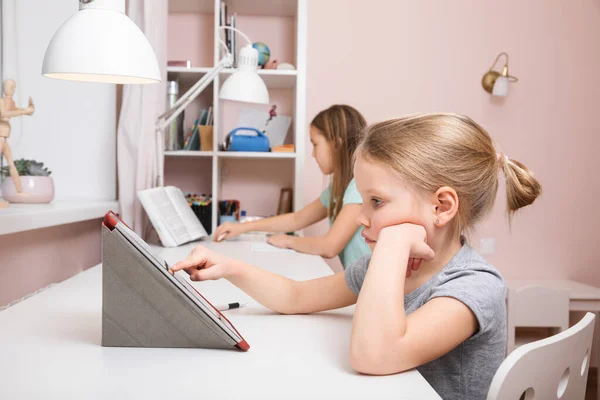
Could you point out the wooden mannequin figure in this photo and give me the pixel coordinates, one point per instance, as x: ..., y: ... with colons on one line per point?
x: 8, y: 109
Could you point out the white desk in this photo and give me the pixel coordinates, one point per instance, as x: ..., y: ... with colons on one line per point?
x: 581, y: 297
x: 50, y: 348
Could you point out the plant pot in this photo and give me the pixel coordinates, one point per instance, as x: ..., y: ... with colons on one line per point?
x: 36, y: 189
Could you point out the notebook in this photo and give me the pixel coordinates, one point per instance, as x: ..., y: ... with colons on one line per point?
x: 171, y: 216
x: 144, y: 305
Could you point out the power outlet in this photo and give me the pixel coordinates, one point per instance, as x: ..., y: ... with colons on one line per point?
x: 487, y: 246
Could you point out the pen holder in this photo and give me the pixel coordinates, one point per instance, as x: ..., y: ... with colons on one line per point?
x: 204, y: 214
x: 206, y: 137
x: 227, y: 218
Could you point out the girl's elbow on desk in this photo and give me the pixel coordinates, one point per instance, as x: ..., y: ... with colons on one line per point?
x: 370, y: 358
x: 318, y: 245
x: 329, y: 249
x: 376, y: 363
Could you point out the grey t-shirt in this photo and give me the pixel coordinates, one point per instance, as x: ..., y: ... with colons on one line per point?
x: 467, y: 371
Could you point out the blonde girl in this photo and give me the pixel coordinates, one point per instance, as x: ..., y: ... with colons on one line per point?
x: 425, y: 299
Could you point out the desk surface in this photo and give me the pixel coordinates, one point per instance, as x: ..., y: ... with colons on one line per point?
x: 577, y: 291
x: 50, y: 347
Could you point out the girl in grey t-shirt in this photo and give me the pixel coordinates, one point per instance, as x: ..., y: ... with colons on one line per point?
x: 424, y: 299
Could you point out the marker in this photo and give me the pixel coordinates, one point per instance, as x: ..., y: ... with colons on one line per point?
x: 221, y: 236
x: 229, y: 306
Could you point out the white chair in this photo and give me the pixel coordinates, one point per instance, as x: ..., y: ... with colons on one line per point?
x: 552, y: 368
x: 535, y: 307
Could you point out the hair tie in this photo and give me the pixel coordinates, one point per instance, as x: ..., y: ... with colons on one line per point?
x: 500, y: 155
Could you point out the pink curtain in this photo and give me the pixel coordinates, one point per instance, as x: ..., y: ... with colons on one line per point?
x: 139, y: 147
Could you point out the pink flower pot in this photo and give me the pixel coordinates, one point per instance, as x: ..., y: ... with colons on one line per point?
x: 38, y: 189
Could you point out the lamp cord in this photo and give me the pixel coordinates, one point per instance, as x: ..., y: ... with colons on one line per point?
x: 238, y: 31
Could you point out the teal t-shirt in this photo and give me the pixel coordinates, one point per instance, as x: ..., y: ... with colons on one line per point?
x: 356, y: 247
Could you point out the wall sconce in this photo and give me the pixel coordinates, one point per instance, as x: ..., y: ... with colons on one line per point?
x: 495, y: 82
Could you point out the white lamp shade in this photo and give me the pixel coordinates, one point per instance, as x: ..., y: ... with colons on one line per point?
x: 500, y: 86
x: 101, y: 45
x: 245, y: 84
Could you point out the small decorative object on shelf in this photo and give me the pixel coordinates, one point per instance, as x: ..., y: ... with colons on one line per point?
x: 263, y: 53
x: 284, y: 148
x: 271, y: 64
x: 179, y: 63
x: 285, y: 201
x: 286, y: 66
x: 35, y: 179
x: 8, y: 110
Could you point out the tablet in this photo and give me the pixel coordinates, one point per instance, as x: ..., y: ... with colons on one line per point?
x: 176, y: 281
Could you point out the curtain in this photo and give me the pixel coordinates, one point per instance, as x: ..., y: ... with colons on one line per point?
x: 139, y: 146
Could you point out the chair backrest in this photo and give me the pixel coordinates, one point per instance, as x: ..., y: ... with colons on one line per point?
x: 535, y: 307
x: 552, y: 368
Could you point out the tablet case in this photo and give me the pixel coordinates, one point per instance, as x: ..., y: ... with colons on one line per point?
x: 142, y: 308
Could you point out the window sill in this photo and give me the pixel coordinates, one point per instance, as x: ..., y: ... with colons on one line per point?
x: 25, y: 217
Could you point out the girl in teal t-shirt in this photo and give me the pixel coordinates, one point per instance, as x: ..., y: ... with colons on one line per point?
x: 334, y: 134
x: 356, y: 247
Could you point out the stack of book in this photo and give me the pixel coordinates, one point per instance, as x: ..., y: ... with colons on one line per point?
x: 230, y: 36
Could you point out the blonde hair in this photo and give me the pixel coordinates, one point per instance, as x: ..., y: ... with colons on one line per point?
x: 342, y: 126
x: 430, y: 151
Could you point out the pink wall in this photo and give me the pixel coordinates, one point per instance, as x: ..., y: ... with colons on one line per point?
x: 257, y: 183
x: 190, y: 174
x: 391, y: 58
x: 195, y: 31
x: 34, y: 259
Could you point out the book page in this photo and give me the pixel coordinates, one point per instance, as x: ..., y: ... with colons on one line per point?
x: 192, y: 225
x: 169, y: 215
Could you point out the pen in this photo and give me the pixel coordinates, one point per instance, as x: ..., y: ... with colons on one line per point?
x: 229, y: 306
x: 221, y: 236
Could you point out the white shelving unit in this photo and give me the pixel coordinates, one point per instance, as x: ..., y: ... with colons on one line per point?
x: 185, y: 153
x: 290, y: 82
x: 243, y: 154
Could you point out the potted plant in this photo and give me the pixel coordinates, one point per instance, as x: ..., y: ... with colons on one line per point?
x: 38, y: 186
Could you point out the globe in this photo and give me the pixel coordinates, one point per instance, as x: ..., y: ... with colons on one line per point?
x: 263, y: 53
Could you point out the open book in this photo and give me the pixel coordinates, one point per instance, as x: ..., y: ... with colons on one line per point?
x: 171, y: 216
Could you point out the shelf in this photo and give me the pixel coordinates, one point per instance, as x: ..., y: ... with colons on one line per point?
x: 230, y: 154
x: 261, y: 155
x: 275, y: 8
x: 274, y: 78
x: 184, y: 70
x: 187, y: 76
x: 25, y: 217
x: 188, y: 153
